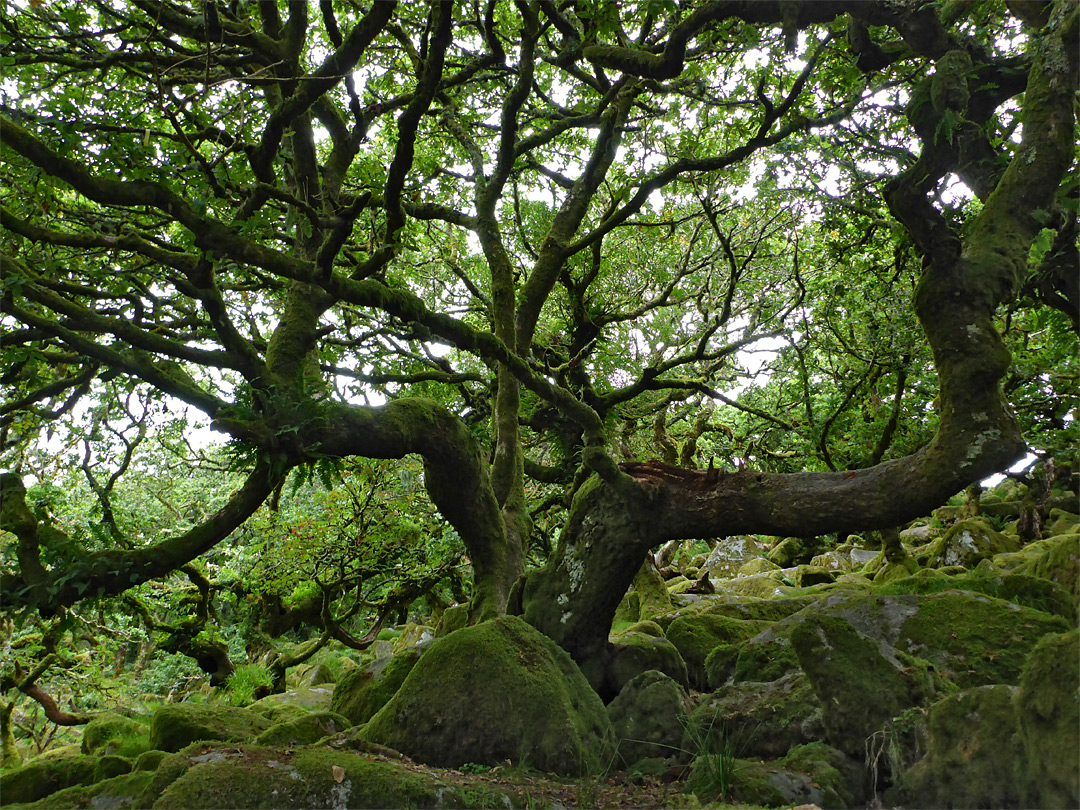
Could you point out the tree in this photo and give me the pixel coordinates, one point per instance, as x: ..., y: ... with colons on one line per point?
x: 270, y: 211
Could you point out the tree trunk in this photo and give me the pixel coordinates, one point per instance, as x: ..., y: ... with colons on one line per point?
x: 455, y: 475
x: 9, y: 751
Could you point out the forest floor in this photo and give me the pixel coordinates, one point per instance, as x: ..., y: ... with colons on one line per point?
x: 534, y: 789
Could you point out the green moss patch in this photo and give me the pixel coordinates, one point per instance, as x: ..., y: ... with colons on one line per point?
x: 738, y: 607
x: 763, y: 586
x: 840, y: 778
x: 292, y: 704
x: 149, y: 760
x: 255, y: 777
x: 633, y: 653
x: 1055, y: 558
x: 969, y: 541
x: 1021, y: 589
x: 792, y: 551
x: 765, y: 657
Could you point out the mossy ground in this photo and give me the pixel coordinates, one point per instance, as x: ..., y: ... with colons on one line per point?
x: 246, y: 776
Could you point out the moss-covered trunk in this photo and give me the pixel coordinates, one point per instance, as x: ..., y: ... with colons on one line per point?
x: 573, y: 599
x: 9, y: 752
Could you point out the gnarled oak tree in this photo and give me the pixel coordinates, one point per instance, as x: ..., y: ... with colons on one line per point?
x: 270, y: 210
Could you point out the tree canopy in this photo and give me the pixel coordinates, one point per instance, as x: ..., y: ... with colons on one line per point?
x: 617, y: 273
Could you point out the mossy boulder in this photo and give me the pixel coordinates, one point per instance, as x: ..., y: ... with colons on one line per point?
x: 764, y: 657
x: 411, y: 634
x: 783, y: 713
x: 254, y: 777
x: 1055, y: 558
x: 961, y: 638
x: 969, y: 639
x: 633, y: 653
x: 40, y: 777
x: 761, y: 586
x: 648, y: 627
x: 1060, y: 522
x: 149, y: 760
x: 111, y: 765
x: 918, y: 534
x: 698, y: 634
x: 859, y: 688
x: 169, y: 768
x: 60, y: 752
x: 972, y: 754
x: 294, y: 703
x: 111, y: 733
x: 649, y: 717
x: 1048, y: 711
x: 305, y: 730
x: 720, y: 665
x: 677, y: 585
x: 973, y: 639
x: 756, y: 565
x: 969, y: 541
x: 753, y: 783
x: 738, y: 606
x: 363, y: 691
x: 841, y: 779
x: 1009, y: 489
x: 497, y: 691
x: 808, y: 575
x: 653, y: 597
x: 318, y: 675
x: 1020, y: 589
x: 835, y: 560
x: 178, y: 725
x: 115, y: 792
x: 892, y: 570
x: 792, y: 551
x: 812, y: 775
x: 725, y: 560
x: 453, y: 618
